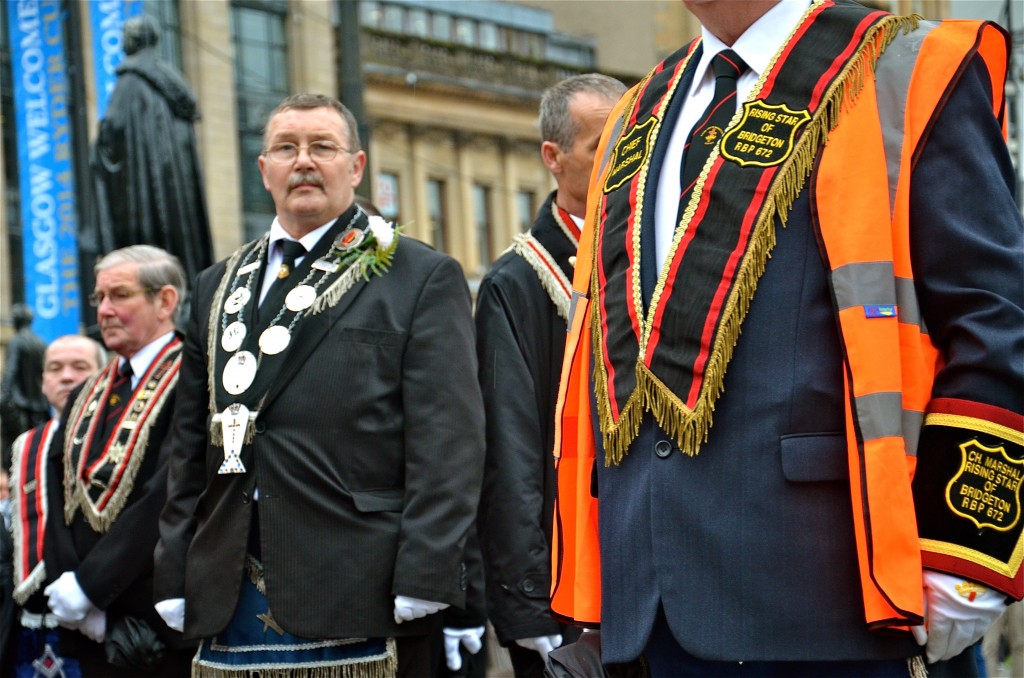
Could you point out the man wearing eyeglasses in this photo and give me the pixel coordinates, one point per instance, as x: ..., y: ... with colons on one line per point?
x: 328, y: 443
x: 107, y: 476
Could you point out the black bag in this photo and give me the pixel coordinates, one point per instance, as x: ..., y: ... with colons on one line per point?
x: 132, y: 644
x: 582, y: 659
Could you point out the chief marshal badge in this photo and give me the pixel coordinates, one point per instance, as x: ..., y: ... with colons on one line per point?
x: 986, y: 488
x: 630, y: 154
x: 764, y: 136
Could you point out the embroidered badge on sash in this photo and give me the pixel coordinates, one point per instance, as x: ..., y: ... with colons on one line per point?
x: 629, y: 154
x: 986, y: 488
x: 764, y: 136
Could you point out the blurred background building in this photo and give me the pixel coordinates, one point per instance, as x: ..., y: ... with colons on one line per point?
x: 447, y: 91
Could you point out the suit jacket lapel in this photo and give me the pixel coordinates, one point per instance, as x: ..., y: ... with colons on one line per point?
x: 309, y: 334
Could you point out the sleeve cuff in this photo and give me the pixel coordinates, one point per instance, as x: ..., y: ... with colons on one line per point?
x: 967, y: 489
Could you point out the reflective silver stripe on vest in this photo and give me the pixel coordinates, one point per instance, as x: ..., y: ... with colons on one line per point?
x: 613, y: 139
x: 892, y: 82
x: 881, y: 415
x: 874, y: 283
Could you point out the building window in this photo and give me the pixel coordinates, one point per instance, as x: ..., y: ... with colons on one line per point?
x: 491, y: 37
x: 386, y: 195
x: 392, y: 19
x: 419, y: 23
x: 168, y: 22
x: 527, y: 209
x: 261, y: 81
x: 437, y: 214
x: 482, y: 218
x: 369, y: 13
x: 441, y: 27
x: 465, y: 32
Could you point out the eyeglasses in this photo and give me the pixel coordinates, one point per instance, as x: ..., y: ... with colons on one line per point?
x: 118, y: 295
x: 321, y: 151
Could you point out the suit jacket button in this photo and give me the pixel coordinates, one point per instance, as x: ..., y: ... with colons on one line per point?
x: 528, y: 586
x: 260, y: 427
x: 245, y: 497
x: 663, y: 449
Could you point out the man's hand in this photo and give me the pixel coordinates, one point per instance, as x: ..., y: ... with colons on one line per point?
x: 407, y: 609
x: 67, y: 600
x: 94, y: 626
x: 468, y: 637
x: 541, y: 644
x: 172, y: 611
x: 957, y: 612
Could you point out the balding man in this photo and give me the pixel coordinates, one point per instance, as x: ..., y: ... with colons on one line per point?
x: 520, y: 325
x: 67, y: 362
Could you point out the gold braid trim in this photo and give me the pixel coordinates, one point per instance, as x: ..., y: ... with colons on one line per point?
x: 916, y: 667
x: 384, y: 667
x: 71, y: 498
x: 690, y: 428
x: 102, y: 520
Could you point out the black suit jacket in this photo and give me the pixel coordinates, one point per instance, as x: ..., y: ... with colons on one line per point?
x: 367, y: 453
x: 114, y: 569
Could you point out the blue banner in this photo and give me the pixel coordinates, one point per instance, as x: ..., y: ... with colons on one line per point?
x: 49, y: 221
x: 107, y: 19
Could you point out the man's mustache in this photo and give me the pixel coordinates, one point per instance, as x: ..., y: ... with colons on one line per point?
x: 305, y: 178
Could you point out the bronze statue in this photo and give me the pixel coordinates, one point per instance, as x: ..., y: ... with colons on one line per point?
x: 145, y: 164
x: 22, y: 403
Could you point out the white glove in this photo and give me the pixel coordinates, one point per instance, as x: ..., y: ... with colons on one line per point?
x: 67, y: 600
x: 94, y: 626
x: 468, y: 637
x: 541, y: 644
x: 407, y: 609
x: 172, y: 611
x: 957, y: 612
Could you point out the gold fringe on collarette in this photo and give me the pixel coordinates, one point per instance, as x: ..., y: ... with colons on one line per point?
x: 551, y: 277
x: 102, y: 520
x: 382, y: 667
x: 916, y: 667
x: 689, y: 428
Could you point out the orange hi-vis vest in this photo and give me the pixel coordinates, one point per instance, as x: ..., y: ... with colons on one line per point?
x: 890, y: 361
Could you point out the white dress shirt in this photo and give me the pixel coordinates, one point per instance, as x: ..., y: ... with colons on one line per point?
x: 756, y: 47
x: 275, y: 256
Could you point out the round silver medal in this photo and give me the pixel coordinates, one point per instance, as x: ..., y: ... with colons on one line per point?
x: 300, y: 298
x: 239, y: 373
x: 275, y: 339
x: 233, y: 336
x: 238, y: 299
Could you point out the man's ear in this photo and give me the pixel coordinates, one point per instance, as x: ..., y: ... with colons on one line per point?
x: 168, y: 300
x: 551, y: 154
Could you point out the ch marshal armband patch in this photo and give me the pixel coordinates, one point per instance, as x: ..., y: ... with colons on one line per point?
x: 986, y: 488
x: 967, y: 494
x: 630, y: 154
x: 764, y: 135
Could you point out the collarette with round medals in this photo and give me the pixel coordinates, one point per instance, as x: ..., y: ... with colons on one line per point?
x: 239, y: 372
x: 300, y: 298
x: 275, y: 339
x: 238, y: 299
x: 232, y: 337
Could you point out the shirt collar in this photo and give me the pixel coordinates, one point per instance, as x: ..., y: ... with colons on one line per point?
x: 144, y: 356
x: 308, y: 241
x: 759, y: 43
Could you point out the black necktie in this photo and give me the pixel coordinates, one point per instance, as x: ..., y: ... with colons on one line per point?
x: 728, y: 66
x: 120, y: 394
x: 290, y: 250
